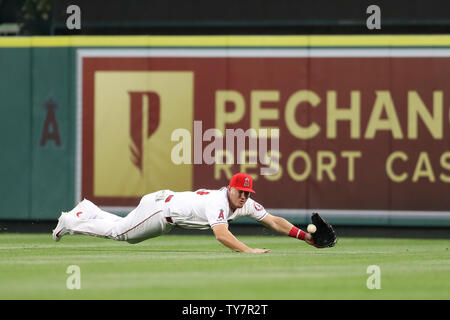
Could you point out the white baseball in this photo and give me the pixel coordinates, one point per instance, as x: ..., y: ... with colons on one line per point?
x: 311, y: 228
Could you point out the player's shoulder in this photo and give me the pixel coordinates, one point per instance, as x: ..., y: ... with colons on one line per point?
x: 250, y: 202
x: 204, y: 191
x: 252, y: 205
x: 212, y: 194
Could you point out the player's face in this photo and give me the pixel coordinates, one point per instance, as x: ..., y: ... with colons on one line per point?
x: 237, y: 198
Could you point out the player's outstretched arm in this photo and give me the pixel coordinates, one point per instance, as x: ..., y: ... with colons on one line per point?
x: 224, y: 236
x: 283, y: 226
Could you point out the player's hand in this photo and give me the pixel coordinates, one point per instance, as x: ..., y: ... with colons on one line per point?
x: 256, y: 250
x: 309, y: 239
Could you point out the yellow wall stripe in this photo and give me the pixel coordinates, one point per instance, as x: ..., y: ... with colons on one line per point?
x: 229, y: 41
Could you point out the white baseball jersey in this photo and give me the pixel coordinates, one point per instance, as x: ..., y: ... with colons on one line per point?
x: 204, y: 209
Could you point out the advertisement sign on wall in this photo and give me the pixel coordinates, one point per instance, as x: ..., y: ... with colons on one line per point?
x: 356, y: 129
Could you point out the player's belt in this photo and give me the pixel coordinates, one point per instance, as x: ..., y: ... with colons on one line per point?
x: 167, y: 199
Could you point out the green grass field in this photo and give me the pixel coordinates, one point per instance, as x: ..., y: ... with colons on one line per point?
x: 32, y: 266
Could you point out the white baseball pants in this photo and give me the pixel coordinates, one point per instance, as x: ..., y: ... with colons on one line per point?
x: 147, y: 220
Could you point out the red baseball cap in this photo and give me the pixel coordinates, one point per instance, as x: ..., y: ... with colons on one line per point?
x: 242, y: 181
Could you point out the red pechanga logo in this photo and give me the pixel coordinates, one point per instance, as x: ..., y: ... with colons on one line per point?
x: 128, y: 113
x: 138, y: 120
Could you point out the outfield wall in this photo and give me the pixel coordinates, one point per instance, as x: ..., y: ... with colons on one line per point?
x: 362, y: 123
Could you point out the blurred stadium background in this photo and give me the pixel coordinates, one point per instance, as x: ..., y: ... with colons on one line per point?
x: 363, y: 113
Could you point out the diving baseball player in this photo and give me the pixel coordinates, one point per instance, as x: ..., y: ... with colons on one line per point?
x: 158, y: 212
